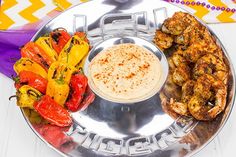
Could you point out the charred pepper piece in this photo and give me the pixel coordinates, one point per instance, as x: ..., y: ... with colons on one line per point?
x: 78, y: 86
x: 58, y: 39
x: 59, y: 75
x: 44, y: 43
x: 61, y: 71
x: 33, y: 116
x: 58, y: 90
x: 26, y: 64
x: 81, y: 63
x: 27, y: 96
x: 36, y: 53
x: 74, y: 51
x: 32, y: 79
x: 82, y: 36
x: 52, y: 111
x: 87, y: 100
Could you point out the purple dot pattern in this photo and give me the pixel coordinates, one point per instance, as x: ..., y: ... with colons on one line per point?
x: 203, y: 4
x: 218, y: 8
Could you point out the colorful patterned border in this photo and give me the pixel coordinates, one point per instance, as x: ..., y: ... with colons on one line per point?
x: 204, y: 4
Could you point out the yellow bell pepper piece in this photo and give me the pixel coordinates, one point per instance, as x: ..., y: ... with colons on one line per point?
x: 27, y: 96
x: 45, y: 44
x: 33, y: 116
x: 59, y: 75
x: 81, y: 63
x: 60, y: 71
x: 29, y: 65
x: 74, y: 51
x: 58, y: 90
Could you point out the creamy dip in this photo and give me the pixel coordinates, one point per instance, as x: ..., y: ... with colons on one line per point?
x: 125, y: 73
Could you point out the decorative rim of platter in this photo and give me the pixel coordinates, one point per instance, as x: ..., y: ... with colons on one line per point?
x: 140, y: 23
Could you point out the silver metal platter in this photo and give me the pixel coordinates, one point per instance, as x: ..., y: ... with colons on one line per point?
x: 143, y: 128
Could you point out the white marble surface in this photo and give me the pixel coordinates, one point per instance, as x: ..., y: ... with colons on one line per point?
x: 17, y: 139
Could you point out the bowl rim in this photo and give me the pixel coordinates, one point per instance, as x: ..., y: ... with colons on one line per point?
x: 145, y: 44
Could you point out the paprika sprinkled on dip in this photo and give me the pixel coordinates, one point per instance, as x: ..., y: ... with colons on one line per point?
x: 125, y: 73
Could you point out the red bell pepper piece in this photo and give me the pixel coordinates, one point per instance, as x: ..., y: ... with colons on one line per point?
x: 32, y: 79
x: 78, y: 84
x: 53, y: 112
x: 87, y: 100
x: 82, y: 35
x: 58, y: 39
x: 36, y: 53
